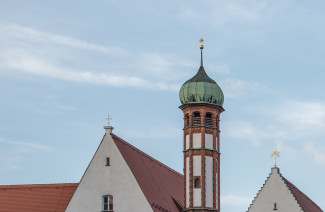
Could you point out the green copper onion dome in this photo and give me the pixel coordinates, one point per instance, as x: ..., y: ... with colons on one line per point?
x: 201, y: 89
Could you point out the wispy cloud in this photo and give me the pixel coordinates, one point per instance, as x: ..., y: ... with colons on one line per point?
x: 13, y: 154
x: 27, y: 33
x: 303, y: 115
x: 150, y: 70
x: 289, y: 121
x: 252, y: 133
x: 234, y: 88
x: 58, y: 57
x: 224, y: 12
x: 245, y: 131
x: 33, y: 146
x: 25, y: 62
x: 317, y: 151
x: 167, y: 67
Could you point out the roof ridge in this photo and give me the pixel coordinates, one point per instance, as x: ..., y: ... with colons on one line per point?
x: 293, y: 193
x: 19, y: 186
x: 146, y: 155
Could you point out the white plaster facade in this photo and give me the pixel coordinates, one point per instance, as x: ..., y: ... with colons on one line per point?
x: 116, y: 180
x: 275, y: 191
x: 197, y: 196
x: 187, y: 182
x: 187, y: 142
x: 217, y: 194
x: 209, y: 141
x: 209, y: 181
x: 197, y: 140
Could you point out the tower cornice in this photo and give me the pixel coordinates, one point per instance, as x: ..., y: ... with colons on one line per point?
x: 218, y: 108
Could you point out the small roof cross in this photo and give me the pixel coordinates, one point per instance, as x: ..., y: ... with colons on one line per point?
x: 275, y: 154
x: 108, y: 119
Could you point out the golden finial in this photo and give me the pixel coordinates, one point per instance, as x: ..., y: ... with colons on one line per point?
x: 275, y: 154
x: 201, y: 41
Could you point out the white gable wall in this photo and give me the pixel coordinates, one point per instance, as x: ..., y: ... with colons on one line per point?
x: 116, y: 180
x: 275, y: 191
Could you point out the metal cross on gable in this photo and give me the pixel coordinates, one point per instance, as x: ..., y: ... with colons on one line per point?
x: 275, y: 154
x: 108, y: 119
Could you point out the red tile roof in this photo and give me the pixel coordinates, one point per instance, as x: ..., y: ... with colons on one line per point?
x: 306, y: 204
x: 162, y: 186
x: 36, y: 198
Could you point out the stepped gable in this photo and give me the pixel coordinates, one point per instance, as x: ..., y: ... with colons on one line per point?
x: 305, y: 203
x: 36, y: 198
x: 162, y: 186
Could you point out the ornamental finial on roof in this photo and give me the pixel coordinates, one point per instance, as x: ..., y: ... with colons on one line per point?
x: 108, y: 128
x: 201, y: 41
x: 275, y: 154
x: 201, y: 47
x: 108, y: 119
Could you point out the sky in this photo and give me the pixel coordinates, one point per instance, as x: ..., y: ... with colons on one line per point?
x: 66, y: 65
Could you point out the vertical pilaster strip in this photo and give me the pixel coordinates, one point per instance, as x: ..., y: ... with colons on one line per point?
x: 203, y: 168
x: 218, y: 141
x: 191, y: 162
x: 185, y: 168
x: 203, y: 174
x: 215, y: 164
x: 191, y: 178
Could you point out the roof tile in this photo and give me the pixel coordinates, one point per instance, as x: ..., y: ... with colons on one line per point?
x: 162, y: 186
x: 36, y: 198
x: 307, y: 204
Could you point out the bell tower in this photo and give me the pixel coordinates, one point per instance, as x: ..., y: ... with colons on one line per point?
x: 202, y: 101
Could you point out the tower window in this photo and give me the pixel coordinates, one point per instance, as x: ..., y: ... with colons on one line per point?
x: 187, y: 120
x: 197, y: 182
x: 196, y: 119
x: 208, y: 120
x: 107, y: 162
x: 275, y: 207
x: 108, y: 203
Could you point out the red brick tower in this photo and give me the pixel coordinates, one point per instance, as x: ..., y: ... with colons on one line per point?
x: 202, y: 101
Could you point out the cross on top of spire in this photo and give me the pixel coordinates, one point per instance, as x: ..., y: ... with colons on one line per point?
x: 275, y: 154
x: 108, y: 120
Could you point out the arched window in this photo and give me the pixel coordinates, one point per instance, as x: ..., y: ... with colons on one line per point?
x: 187, y: 120
x: 208, y: 120
x: 196, y: 119
x: 197, y: 182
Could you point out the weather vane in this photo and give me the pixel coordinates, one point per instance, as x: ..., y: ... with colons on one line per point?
x: 108, y: 120
x: 275, y: 154
x: 201, y: 41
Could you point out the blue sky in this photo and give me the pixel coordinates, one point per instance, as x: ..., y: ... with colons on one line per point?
x: 66, y: 65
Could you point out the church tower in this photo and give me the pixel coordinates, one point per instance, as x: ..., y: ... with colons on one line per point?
x: 202, y: 101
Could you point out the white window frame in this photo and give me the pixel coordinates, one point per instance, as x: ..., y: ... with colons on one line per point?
x: 107, y: 203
